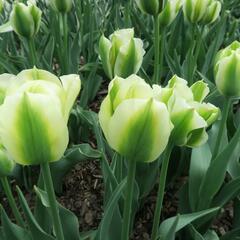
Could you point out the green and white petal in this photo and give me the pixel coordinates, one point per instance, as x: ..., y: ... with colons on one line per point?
x: 162, y: 94
x: 139, y: 53
x: 200, y: 90
x: 140, y: 129
x: 104, y: 53
x: 197, y: 138
x: 37, y: 74
x: 105, y: 114
x: 6, y: 163
x: 33, y: 129
x: 6, y: 80
x: 71, y: 87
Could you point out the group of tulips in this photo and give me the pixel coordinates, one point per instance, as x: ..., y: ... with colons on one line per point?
x: 139, y: 121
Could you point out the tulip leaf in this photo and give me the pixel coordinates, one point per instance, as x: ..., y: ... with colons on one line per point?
x: 184, y: 220
x: 11, y: 230
x: 232, y: 235
x: 74, y: 155
x: 216, y: 172
x: 6, y: 27
x: 211, y: 235
x: 91, y: 235
x: 109, y: 210
x: 69, y: 220
x: 227, y: 193
x: 200, y: 160
x: 36, y: 231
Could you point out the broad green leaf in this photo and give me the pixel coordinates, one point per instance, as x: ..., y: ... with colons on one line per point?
x: 227, y: 193
x: 200, y: 160
x: 68, y: 219
x: 36, y: 231
x: 216, y: 172
x: 184, y: 220
x: 211, y: 235
x: 232, y: 235
x: 11, y: 231
x: 172, y: 232
x: 91, y: 235
x: 109, y: 210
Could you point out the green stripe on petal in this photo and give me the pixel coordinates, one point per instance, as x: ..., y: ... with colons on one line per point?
x: 33, y: 129
x: 139, y: 129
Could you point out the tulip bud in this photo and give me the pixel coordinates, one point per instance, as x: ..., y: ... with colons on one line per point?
x: 212, y: 13
x: 151, y: 7
x: 25, y: 20
x: 1, y: 5
x: 134, y: 124
x: 189, y: 115
x: 205, y: 11
x: 6, y: 163
x: 122, y: 55
x: 170, y: 12
x: 227, y: 70
x: 62, y: 6
x: 34, y: 115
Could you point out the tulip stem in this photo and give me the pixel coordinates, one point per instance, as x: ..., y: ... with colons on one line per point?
x: 32, y: 52
x: 127, y: 212
x: 161, y: 54
x: 161, y: 188
x: 156, y: 49
x: 65, y: 59
x: 226, y: 107
x: 11, y: 200
x: 52, y: 200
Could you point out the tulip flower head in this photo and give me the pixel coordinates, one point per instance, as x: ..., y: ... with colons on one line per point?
x: 201, y: 11
x: 189, y: 115
x: 170, y: 12
x: 152, y: 7
x: 25, y: 19
x: 134, y: 123
x: 34, y: 115
x: 227, y: 70
x: 121, y: 54
x: 63, y: 6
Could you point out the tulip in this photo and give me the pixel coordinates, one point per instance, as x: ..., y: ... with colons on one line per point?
x: 169, y: 12
x: 25, y: 19
x: 189, y: 115
x: 152, y: 7
x: 227, y: 70
x: 204, y: 11
x: 135, y: 125
x: 33, y: 124
x: 1, y: 5
x: 34, y: 116
x: 62, y: 6
x: 129, y: 111
x: 212, y: 13
x: 122, y: 55
x: 6, y: 81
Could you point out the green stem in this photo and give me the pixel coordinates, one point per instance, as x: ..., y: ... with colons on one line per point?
x: 161, y: 54
x: 161, y: 189
x: 52, y: 200
x: 11, y: 200
x: 128, y: 200
x: 225, y: 111
x: 156, y: 49
x: 32, y: 52
x: 65, y: 42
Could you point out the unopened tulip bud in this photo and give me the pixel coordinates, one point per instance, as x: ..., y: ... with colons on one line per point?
x: 25, y: 19
x: 170, y: 12
x: 227, y: 70
x: 34, y: 115
x: 189, y: 115
x: 134, y: 124
x: 122, y: 55
x: 62, y: 6
x: 212, y: 13
x: 6, y: 163
x: 152, y: 7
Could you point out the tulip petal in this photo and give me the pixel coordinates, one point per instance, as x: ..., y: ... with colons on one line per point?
x: 33, y: 129
x: 200, y: 90
x: 139, y: 129
x: 71, y: 87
